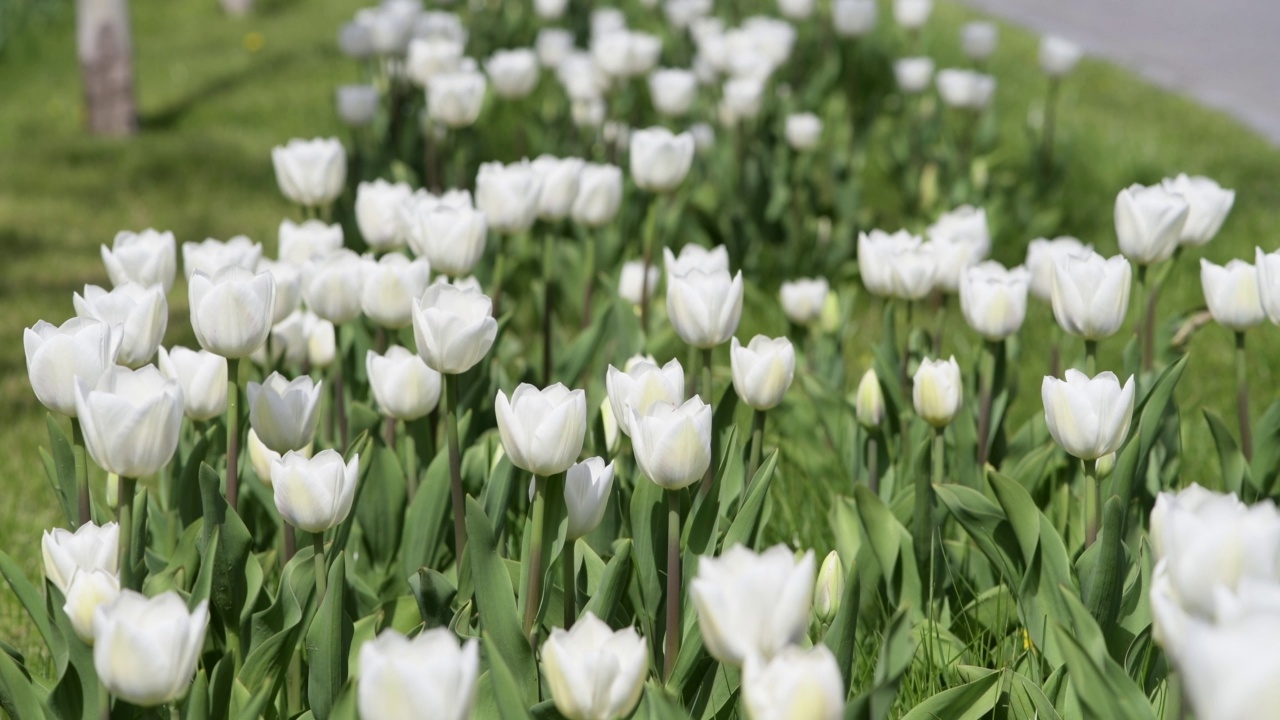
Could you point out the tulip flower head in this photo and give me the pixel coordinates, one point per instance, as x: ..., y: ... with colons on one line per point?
x: 599, y: 195
x: 213, y: 255
x: 400, y: 677
x: 696, y: 257
x: 552, y: 45
x: 1058, y: 56
x: 640, y: 386
x: 796, y: 683
x: 979, y: 40
x: 673, y: 91
x: 455, y: 98
x: 300, y: 243
x: 284, y: 413
x: 853, y: 18
x: 804, y: 299
x: 869, y: 401
x: 146, y: 258
x: 508, y: 195
x: 1231, y: 292
x: 965, y: 89
x: 586, y: 494
x: 1090, y: 294
x: 937, y: 391
x: 90, y: 548
x: 333, y: 287
x: 672, y: 444
x: 1268, y: 268
x: 89, y: 590
x: 753, y: 605
x: 542, y: 430
x: 202, y: 376
x: 626, y: 53
x: 704, y: 308
x: 1043, y: 254
x: 405, y: 388
x: 1230, y: 667
x: 389, y: 287
x: 660, y: 160
x: 629, y: 281
x: 514, y: 73
x: 81, y: 349
x: 1088, y: 417
x: 311, y: 173
x: 145, y: 649
x: 877, y: 254
x: 912, y: 14
x: 559, y: 180
x: 741, y: 99
x: 357, y: 105
x: 762, y: 370
x: 1149, y: 223
x: 994, y: 299
x: 314, y: 494
x: 913, y: 74
x: 1208, y: 205
x: 288, y: 279
x: 378, y: 214
x: 428, y: 58
x: 804, y: 131
x: 131, y: 420
x: 828, y: 591
x: 454, y: 328
x: 451, y: 237
x: 594, y: 672
x: 231, y: 311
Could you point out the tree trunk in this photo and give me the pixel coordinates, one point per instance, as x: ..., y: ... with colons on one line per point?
x: 104, y: 45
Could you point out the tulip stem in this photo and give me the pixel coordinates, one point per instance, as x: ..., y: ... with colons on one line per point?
x: 1140, y: 322
x: 673, y: 586
x: 455, y: 465
x: 757, y: 446
x: 1091, y: 357
x: 873, y: 461
x: 922, y: 516
x: 589, y: 291
x: 570, y: 584
x: 340, y: 403
x: 124, y: 517
x: 499, y: 269
x: 707, y: 390
x: 317, y: 542
x: 82, y: 472
x: 1242, y: 399
x: 650, y: 231
x: 986, y: 380
x: 548, y: 289
x: 1092, y: 502
x: 534, y: 562
x: 233, y: 432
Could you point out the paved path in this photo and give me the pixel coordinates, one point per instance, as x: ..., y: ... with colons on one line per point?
x: 1225, y: 53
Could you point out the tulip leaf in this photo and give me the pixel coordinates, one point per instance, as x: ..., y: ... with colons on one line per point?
x: 745, y: 524
x: 186, y: 493
x: 971, y: 701
x: 1101, y: 685
x: 1131, y: 461
x: 361, y: 418
x: 495, y: 600
x: 360, y: 446
x: 702, y: 528
x: 656, y: 704
x: 64, y: 466
x: 498, y: 492
x: 613, y: 582
x: 196, y: 706
x: 1230, y: 459
x: 1105, y: 584
x: 511, y: 706
x: 274, y: 631
x: 841, y: 635
x: 891, y: 546
x: 1028, y: 702
x: 380, y: 511
x: 987, y: 526
x: 434, y: 595
x: 573, y: 361
x: 426, y: 518
x: 76, y: 694
x: 19, y: 694
x: 329, y: 643
x: 648, y: 530
x: 228, y: 590
x: 221, y: 685
x: 1266, y: 451
x: 33, y: 602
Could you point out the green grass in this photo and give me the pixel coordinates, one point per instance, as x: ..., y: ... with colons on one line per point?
x: 212, y: 109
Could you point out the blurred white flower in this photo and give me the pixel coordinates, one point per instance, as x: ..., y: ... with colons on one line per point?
x: 804, y: 131
x: 378, y: 206
x: 139, y: 316
x: 311, y: 173
x: 300, y: 243
x: 508, y: 195
x: 673, y: 91
x: 1043, y: 254
x: 993, y: 299
x: 514, y: 73
x: 454, y: 99
x: 213, y: 255
x: 913, y: 74
x: 1231, y: 292
x: 147, y: 258
x: 1149, y: 223
x: 1208, y: 205
x: 1058, y: 56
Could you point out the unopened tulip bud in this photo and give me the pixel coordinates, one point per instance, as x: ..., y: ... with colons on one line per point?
x: 660, y: 160
x: 869, y: 403
x: 514, y: 73
x: 300, y: 243
x: 586, y: 495
x: 231, y: 311
x: 202, y: 377
x: 311, y: 173
x: 1232, y: 295
x: 762, y: 370
x: 1105, y: 465
x: 672, y: 445
x: 796, y: 683
x: 81, y: 349
x: 89, y: 589
x: 1088, y: 417
x: 1208, y: 206
x: 704, y: 308
x: 90, y: 548
x: 1149, y: 223
x: 830, y: 588
x: 454, y: 328
x: 594, y: 672
x: 400, y: 678
x: 937, y: 391
x: 314, y: 494
x: 284, y: 413
x: 542, y: 430
x: 146, y: 258
x: 405, y: 388
x: 145, y: 650
x: 131, y: 420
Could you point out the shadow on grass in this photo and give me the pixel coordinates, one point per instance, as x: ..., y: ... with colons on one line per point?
x: 169, y: 117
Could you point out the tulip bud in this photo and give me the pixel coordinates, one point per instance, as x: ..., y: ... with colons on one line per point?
x: 937, y: 391
x: 869, y: 403
x: 300, y: 243
x: 913, y: 272
x: 587, y: 113
x: 913, y: 74
x: 377, y: 214
x: 704, y: 308
x: 1149, y: 222
x: 796, y: 683
x: 231, y: 311
x: 1058, y: 56
x: 261, y: 457
x: 695, y: 257
x: 1208, y: 204
x: 89, y: 589
x: 581, y: 78
x: 542, y: 430
x: 1088, y: 417
x: 673, y: 91
x: 146, y: 258
x: 753, y: 604
x: 454, y: 328
x: 1105, y: 465
x: 966, y: 89
x: 672, y: 445
x: 427, y: 59
x: 795, y: 9
x: 595, y: 673
x: 1091, y: 294
x: 440, y: 24
x: 682, y: 14
x: 451, y: 238
x: 550, y: 9
x: 388, y: 30
x: 357, y: 105
x: 81, y: 349
x: 405, y: 388
x: 146, y: 650
x: 355, y: 41
x: 212, y: 255
x: 558, y: 180
x: 311, y: 173
x: 1268, y: 269
x: 400, y: 678
x: 131, y: 420
x: 1232, y: 295
x: 994, y: 299
x: 284, y: 413
x: 804, y: 299
x: 333, y: 286
x: 912, y: 14
x: 553, y: 45
x: 454, y: 99
x: 202, y: 376
x: 804, y: 131
x: 827, y: 593
x: 508, y: 195
x: 90, y: 548
x: 321, y: 341
x: 741, y: 99
x: 390, y: 286
x: 626, y: 53
x: 878, y: 252
x: 660, y: 160
x: 514, y: 73
x: 288, y: 280
x: 640, y: 387
x: 979, y: 40
x: 314, y: 494
x: 586, y: 495
x: 629, y: 282
x: 762, y: 370
x: 1043, y: 254
x: 604, y: 20
x: 853, y: 18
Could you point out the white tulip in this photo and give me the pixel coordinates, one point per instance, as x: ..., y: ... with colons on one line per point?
x: 587, y: 113
x: 878, y: 252
x: 1268, y: 268
x: 640, y: 386
x: 771, y: 37
x: 607, y: 19
x: 333, y: 286
x: 828, y: 590
x: 131, y: 420
x: 451, y: 238
x: 261, y: 457
x: 629, y: 281
x: 300, y: 243
x: 914, y: 271
x: 595, y: 673
x: 586, y: 495
x: 912, y: 14
x: 993, y: 299
x: 1208, y: 205
x: 704, y: 308
x: 979, y: 39
x: 682, y: 14
x: 311, y: 173
x: 1232, y: 294
x: 960, y: 238
x: 966, y: 89
x: 704, y: 137
x: 1058, y: 56
x: 672, y: 444
x: 202, y: 376
x: 90, y: 548
x: 795, y: 9
x: 390, y: 286
x: 89, y: 590
x: 212, y: 255
x: 508, y: 195
x: 231, y: 312
x: 378, y: 206
x: 741, y: 99
x: 321, y: 342
x: 753, y: 604
x: 1088, y: 417
x: 804, y: 131
x: 454, y: 327
x: 626, y: 53
x: 937, y: 391
x: 599, y: 195
x: 853, y: 18
x: 542, y: 430
x: 355, y: 41
x: 146, y: 650
x: 514, y: 73
x: 284, y: 413
x: 869, y: 401
x: 454, y: 99
x: 429, y: 58
x: 797, y: 684
x: 1149, y: 222
x: 139, y: 316
x: 581, y: 77
x: 405, y: 388
x: 804, y: 299
x: 696, y: 257
x: 660, y: 160
x: 147, y: 258
x: 288, y: 283
x: 552, y: 46
x: 1043, y: 254
x: 673, y: 91
x: 913, y: 74
x: 59, y: 356
x: 314, y: 494
x: 558, y: 182
x: 440, y: 24
x: 550, y: 9
x: 1090, y: 294
x: 357, y: 105
x: 388, y: 30
x: 762, y: 370
x: 400, y: 678
x: 1230, y: 669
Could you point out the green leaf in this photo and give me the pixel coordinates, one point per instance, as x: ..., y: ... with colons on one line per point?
x: 434, y: 595
x: 228, y: 590
x: 1266, y: 450
x: 33, y: 602
x: 648, y: 530
x: 496, y: 602
x: 359, y: 446
x: 1102, y: 687
x: 656, y: 704
x: 19, y: 695
x: 1106, y: 584
x: 744, y: 526
x: 329, y: 643
x: 511, y: 704
x: 64, y: 465
x: 613, y: 582
x: 1230, y: 460
x: 424, y: 525
x: 382, y: 502
x: 1133, y: 456
x: 841, y: 637
x: 196, y: 706
x: 1028, y: 702
x: 498, y: 492
x: 971, y: 701
x: 274, y: 631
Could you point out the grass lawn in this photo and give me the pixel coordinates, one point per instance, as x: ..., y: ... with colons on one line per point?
x: 217, y: 93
